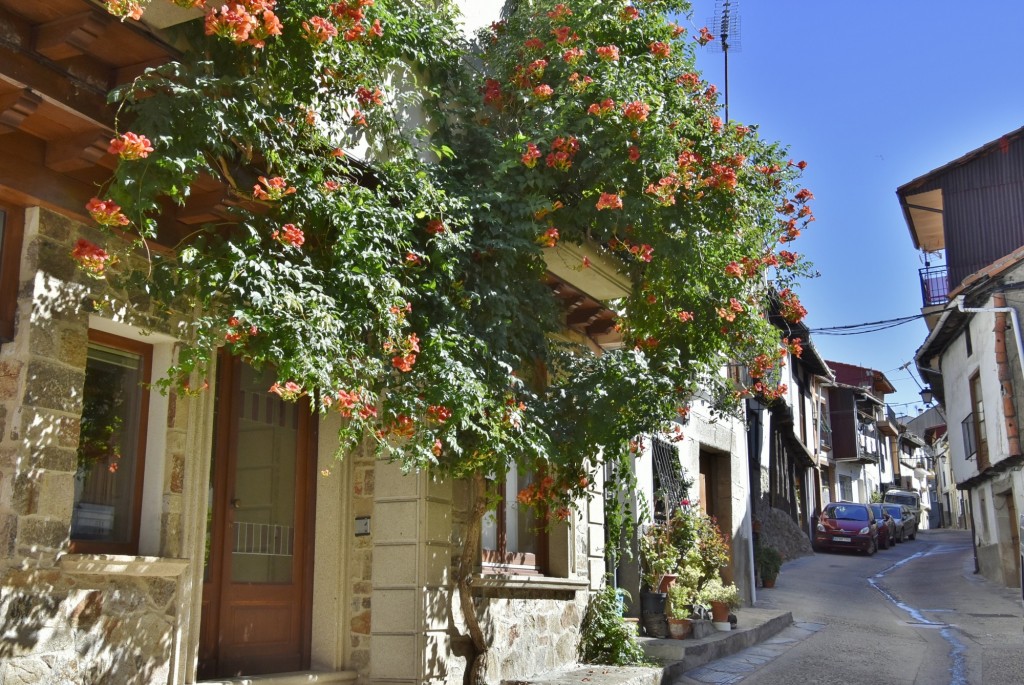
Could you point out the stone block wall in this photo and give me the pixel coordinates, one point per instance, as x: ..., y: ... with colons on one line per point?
x: 360, y: 581
x: 64, y: 622
x: 530, y: 631
x: 531, y: 623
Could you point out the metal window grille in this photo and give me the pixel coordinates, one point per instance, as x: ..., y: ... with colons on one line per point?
x: 668, y: 474
x: 265, y: 539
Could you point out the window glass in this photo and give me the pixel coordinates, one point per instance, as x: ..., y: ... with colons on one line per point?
x: 512, y: 536
x: 846, y: 512
x: 111, y: 448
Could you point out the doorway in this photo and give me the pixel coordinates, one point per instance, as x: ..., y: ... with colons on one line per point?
x: 715, y: 491
x: 1009, y: 536
x: 258, y: 575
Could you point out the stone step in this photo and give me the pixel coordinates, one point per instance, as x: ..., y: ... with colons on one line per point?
x: 678, y: 656
x: 595, y: 675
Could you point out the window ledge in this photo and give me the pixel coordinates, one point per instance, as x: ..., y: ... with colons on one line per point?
x: 524, y: 582
x: 90, y: 564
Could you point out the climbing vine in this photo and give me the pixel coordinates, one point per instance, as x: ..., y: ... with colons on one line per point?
x: 389, y: 193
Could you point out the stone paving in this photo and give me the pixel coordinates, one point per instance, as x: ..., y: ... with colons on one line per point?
x: 733, y: 669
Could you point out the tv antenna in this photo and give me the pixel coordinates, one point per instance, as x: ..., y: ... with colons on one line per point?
x: 727, y: 21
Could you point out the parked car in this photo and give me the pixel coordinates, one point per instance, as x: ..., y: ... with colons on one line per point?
x: 886, y: 526
x: 847, y: 525
x: 908, y: 497
x: 911, y: 519
x: 906, y: 521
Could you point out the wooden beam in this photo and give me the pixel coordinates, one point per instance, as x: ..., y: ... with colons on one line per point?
x: 24, y: 180
x: 70, y: 36
x: 583, y: 317
x: 89, y: 101
x: 16, y: 107
x: 123, y: 75
x: 80, y: 152
x: 202, y: 208
x: 601, y: 327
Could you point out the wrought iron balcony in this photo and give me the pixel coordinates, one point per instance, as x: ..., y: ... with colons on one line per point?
x: 934, y: 285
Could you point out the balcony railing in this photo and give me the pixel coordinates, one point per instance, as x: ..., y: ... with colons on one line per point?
x: 934, y: 285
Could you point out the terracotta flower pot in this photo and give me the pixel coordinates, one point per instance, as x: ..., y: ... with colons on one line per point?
x: 719, y: 612
x: 667, y: 581
x: 769, y: 582
x: 680, y: 628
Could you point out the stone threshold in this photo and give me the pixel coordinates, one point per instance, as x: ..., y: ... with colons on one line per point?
x: 753, y: 627
x: 592, y: 674
x: 292, y: 678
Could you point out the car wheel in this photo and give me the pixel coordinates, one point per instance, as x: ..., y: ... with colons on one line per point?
x: 913, y: 536
x: 883, y: 544
x: 872, y: 546
x: 899, y: 538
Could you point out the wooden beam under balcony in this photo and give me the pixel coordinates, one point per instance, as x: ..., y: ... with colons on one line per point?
x: 204, y: 207
x: 17, y: 106
x: 70, y: 36
x: 80, y: 152
x: 580, y: 316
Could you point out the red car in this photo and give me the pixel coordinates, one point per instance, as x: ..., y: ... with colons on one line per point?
x: 847, y: 525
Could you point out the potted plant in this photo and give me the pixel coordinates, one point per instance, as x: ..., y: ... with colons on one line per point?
x: 679, y: 600
x: 658, y: 559
x: 721, y: 597
x: 768, y: 561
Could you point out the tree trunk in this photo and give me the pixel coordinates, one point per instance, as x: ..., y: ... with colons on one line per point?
x: 467, y: 565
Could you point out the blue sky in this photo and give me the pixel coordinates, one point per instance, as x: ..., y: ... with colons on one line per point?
x: 872, y: 95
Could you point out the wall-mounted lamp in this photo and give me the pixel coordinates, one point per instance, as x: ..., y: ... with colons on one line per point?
x: 927, y: 395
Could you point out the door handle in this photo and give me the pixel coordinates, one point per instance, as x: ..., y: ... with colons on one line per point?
x: 236, y: 503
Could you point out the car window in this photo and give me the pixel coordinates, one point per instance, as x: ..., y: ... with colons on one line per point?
x: 876, y: 509
x: 847, y: 512
x: 894, y: 510
x: 901, y: 499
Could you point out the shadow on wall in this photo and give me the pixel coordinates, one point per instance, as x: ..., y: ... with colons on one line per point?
x: 55, y: 626
x: 86, y: 630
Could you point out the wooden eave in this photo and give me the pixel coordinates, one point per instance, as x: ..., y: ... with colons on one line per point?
x: 584, y: 314
x: 58, y: 61
x: 921, y: 198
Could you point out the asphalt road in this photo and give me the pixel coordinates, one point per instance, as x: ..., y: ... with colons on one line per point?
x: 912, y: 615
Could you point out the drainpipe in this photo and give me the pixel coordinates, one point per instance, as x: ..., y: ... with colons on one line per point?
x: 1005, y: 376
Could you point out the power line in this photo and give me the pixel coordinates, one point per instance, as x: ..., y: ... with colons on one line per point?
x: 867, y: 327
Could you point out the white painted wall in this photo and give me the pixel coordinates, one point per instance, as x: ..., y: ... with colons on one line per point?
x: 479, y: 13
x: 957, y: 368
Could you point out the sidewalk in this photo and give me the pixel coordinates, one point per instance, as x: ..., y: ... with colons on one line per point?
x: 755, y: 625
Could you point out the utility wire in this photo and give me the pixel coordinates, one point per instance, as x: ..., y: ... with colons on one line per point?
x: 868, y: 327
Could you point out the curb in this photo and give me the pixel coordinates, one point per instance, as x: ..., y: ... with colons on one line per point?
x: 680, y: 656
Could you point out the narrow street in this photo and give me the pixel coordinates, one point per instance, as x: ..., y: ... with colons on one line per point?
x: 912, y: 615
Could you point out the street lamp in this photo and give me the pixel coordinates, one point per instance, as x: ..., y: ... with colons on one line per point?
x: 927, y: 395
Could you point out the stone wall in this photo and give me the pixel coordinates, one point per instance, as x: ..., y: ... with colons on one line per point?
x: 531, y: 623
x: 360, y: 581
x: 530, y: 631
x: 778, y: 530
x: 63, y: 618
x: 61, y: 628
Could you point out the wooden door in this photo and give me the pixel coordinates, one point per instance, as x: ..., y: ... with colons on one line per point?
x: 256, y: 594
